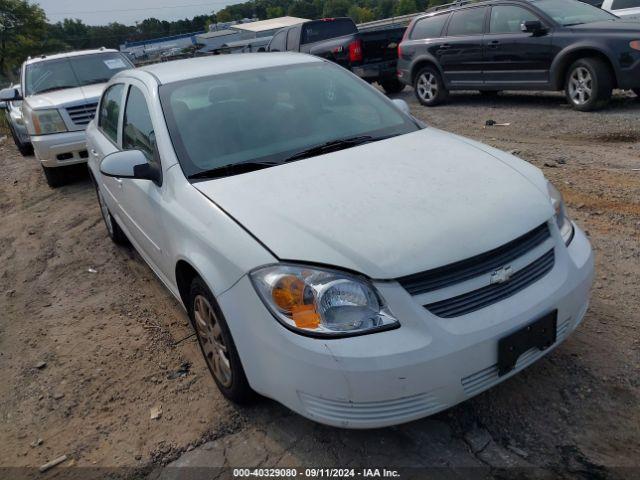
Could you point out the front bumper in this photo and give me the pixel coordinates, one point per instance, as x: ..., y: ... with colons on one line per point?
x: 425, y: 366
x: 60, y: 149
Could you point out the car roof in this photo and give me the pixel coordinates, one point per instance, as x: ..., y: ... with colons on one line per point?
x: 460, y: 5
x: 77, y: 53
x: 177, y: 70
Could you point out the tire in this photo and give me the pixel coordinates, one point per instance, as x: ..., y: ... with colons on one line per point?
x: 217, y: 345
x: 25, y: 149
x: 391, y: 86
x: 588, y: 84
x: 53, y: 176
x: 429, y: 87
x: 113, y: 229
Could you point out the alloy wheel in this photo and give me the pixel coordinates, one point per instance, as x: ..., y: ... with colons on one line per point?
x: 211, y: 339
x: 580, y: 86
x: 427, y: 86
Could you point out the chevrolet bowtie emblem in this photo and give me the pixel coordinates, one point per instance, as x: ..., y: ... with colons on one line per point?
x: 501, y: 275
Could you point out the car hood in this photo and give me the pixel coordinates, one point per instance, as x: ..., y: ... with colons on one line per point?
x: 389, y: 208
x: 614, y: 26
x: 66, y: 97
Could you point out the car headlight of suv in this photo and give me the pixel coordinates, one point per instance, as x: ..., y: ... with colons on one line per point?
x: 564, y: 222
x: 323, y: 303
x: 47, y: 121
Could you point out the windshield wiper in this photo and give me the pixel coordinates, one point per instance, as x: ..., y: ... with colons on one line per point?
x: 332, y: 146
x: 232, y: 169
x: 51, y: 89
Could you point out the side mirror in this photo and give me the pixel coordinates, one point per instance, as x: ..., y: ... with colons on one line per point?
x: 402, y: 105
x: 129, y: 164
x: 532, y: 26
x: 10, y: 94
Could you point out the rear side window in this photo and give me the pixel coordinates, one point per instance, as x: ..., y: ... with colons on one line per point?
x: 110, y: 111
x: 509, y: 18
x: 137, y: 133
x: 467, y: 22
x: 278, y: 41
x: 621, y: 4
x: 429, y: 27
x: 323, y: 29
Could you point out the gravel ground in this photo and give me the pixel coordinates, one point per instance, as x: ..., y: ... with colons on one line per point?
x: 90, y: 341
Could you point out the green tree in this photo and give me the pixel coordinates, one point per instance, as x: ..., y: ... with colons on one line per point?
x: 275, y: 12
x: 22, y: 30
x: 361, y: 14
x: 336, y: 8
x: 304, y: 9
x: 405, y: 7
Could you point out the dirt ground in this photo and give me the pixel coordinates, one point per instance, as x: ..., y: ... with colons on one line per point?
x: 91, y: 342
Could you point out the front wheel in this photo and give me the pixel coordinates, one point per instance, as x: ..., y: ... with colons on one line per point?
x: 589, y: 84
x: 392, y: 86
x: 53, y: 176
x: 217, y: 345
x: 429, y: 87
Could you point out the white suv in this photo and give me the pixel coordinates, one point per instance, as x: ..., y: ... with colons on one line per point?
x: 61, y: 94
x: 627, y: 9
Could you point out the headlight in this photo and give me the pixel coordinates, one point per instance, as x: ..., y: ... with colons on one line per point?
x: 47, y: 121
x: 320, y: 302
x: 563, y: 221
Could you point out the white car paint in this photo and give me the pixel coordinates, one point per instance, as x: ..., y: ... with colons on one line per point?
x: 386, y: 209
x: 627, y: 9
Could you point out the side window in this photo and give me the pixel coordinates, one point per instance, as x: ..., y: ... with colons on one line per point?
x: 291, y: 38
x: 430, y: 27
x: 278, y: 42
x: 137, y: 131
x: 110, y: 111
x: 467, y: 22
x: 622, y: 4
x: 509, y: 18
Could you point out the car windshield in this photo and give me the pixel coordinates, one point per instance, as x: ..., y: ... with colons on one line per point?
x: 49, y: 75
x: 271, y: 115
x: 573, y: 12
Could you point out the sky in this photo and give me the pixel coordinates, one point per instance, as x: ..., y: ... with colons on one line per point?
x: 101, y: 12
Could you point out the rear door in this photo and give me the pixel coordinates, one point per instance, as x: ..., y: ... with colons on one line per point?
x: 513, y: 57
x: 103, y: 138
x: 461, y: 53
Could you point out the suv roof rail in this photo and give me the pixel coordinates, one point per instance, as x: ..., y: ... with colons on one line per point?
x: 456, y: 3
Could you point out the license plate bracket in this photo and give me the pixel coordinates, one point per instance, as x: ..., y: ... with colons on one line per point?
x: 539, y: 334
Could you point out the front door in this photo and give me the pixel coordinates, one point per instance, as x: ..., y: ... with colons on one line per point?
x: 460, y: 52
x: 142, y: 200
x: 514, y: 57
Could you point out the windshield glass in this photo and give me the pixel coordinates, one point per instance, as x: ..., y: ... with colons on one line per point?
x: 269, y: 115
x: 70, y: 72
x: 573, y: 12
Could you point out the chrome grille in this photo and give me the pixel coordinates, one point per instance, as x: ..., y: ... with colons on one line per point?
x: 482, y: 297
x: 82, y: 114
x: 441, y: 277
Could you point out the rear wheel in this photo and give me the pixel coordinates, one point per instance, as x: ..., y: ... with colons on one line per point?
x: 53, y: 176
x: 589, y: 84
x: 392, y: 85
x: 429, y: 87
x: 217, y: 345
x: 113, y: 229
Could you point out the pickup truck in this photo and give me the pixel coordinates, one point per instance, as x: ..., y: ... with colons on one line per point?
x: 370, y: 54
x: 61, y: 93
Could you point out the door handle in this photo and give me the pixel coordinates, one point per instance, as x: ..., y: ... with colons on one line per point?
x: 94, y: 152
x: 494, y: 43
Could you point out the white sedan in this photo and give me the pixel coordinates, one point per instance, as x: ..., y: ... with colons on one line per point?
x: 332, y: 252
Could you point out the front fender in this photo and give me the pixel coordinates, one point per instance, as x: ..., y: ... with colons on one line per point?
x: 423, y: 59
x: 568, y: 55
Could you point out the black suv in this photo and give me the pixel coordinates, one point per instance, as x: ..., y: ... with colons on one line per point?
x: 521, y: 45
